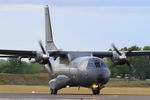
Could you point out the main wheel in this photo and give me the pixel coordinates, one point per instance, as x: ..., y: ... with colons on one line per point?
x: 95, y: 91
x: 53, y: 91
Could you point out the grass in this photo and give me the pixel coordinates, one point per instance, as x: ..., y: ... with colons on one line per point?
x: 72, y: 90
x: 24, y: 79
x: 120, y: 82
x: 43, y: 79
x: 26, y: 83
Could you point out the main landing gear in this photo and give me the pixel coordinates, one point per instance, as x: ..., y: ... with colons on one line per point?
x: 53, y: 91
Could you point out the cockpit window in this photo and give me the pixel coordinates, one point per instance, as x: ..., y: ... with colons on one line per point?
x: 103, y: 64
x: 97, y: 64
x: 90, y: 65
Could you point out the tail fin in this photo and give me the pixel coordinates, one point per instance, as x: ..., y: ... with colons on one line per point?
x: 48, y: 31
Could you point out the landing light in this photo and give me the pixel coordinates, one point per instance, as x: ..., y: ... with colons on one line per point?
x: 33, y: 91
x: 95, y: 86
x: 67, y: 86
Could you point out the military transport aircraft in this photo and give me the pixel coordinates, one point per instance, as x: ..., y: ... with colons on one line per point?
x: 75, y: 68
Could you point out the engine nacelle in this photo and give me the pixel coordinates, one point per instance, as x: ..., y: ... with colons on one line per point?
x: 59, y: 82
x: 119, y: 59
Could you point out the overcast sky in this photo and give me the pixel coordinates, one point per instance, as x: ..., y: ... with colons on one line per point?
x: 77, y: 24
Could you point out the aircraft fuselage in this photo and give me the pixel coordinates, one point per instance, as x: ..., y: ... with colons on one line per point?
x: 82, y: 71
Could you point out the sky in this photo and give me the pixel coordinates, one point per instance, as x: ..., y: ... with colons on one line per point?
x: 89, y: 25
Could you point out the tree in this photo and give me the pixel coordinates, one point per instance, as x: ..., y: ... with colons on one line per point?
x: 16, y: 66
x: 146, y: 48
x: 134, y: 48
x: 13, y: 66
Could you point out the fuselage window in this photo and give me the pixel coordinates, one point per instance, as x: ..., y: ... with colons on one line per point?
x: 97, y: 64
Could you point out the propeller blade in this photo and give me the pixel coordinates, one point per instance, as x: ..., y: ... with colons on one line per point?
x: 50, y: 65
x: 41, y: 45
x: 114, y: 47
x: 130, y: 65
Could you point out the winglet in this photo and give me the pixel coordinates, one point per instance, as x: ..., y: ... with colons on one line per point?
x: 48, y: 31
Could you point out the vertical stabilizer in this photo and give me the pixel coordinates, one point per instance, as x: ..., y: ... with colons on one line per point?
x: 48, y: 31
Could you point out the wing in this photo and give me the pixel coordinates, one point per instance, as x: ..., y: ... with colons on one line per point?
x: 101, y: 54
x: 111, y: 53
x: 138, y: 53
x: 18, y: 53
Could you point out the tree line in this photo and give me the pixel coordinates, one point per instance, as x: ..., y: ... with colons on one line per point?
x: 16, y: 66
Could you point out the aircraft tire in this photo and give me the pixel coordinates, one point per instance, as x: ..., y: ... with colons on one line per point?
x: 96, y: 92
x: 53, y: 91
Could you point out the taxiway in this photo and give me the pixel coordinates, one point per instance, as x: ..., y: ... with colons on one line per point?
x: 22, y: 96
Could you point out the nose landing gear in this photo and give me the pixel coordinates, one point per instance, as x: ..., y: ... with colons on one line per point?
x: 96, y: 88
x: 95, y: 91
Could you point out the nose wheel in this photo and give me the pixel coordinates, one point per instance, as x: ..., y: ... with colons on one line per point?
x: 95, y: 91
x: 96, y: 88
x: 53, y: 91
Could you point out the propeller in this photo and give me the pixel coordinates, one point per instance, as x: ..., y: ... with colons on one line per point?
x: 120, y: 58
x: 45, y: 56
x: 42, y: 57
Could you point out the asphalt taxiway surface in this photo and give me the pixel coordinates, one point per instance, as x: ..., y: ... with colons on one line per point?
x: 11, y: 96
